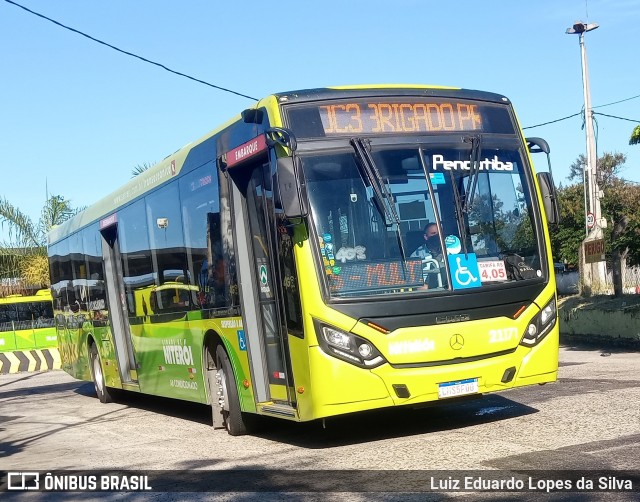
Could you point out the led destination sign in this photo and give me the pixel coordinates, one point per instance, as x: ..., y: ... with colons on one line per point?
x: 371, y: 276
x: 407, y: 116
x: 355, y: 118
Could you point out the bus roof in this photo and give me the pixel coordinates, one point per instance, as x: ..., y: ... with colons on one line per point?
x: 386, y: 89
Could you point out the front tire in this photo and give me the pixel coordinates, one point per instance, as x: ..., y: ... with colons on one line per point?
x: 104, y: 395
x: 234, y: 420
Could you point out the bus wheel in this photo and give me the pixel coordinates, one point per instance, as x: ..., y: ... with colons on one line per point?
x: 213, y: 387
x: 227, y: 395
x: 98, y: 376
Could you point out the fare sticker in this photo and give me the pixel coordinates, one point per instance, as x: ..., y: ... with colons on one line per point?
x: 491, y: 271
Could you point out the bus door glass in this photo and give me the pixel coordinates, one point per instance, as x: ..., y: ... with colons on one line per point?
x: 117, y: 303
x: 256, y: 253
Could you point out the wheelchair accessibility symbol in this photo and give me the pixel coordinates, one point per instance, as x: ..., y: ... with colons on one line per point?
x: 242, y: 342
x: 464, y: 271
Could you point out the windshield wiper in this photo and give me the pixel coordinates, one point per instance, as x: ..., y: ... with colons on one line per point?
x: 462, y: 227
x: 462, y: 208
x: 382, y: 194
x: 371, y: 176
x: 474, y: 167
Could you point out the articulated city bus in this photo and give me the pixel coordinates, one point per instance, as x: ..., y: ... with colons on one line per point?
x: 278, y: 265
x: 26, y: 322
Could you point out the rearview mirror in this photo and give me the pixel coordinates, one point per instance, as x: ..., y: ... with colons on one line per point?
x: 537, y: 145
x: 291, y: 187
x: 549, y: 197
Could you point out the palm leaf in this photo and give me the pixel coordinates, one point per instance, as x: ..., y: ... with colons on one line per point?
x: 139, y: 169
x: 24, y: 254
x: 20, y: 228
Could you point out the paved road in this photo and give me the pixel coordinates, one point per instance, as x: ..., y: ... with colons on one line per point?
x: 588, y: 421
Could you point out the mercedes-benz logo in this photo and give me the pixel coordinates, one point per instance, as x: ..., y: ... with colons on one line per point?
x: 456, y: 342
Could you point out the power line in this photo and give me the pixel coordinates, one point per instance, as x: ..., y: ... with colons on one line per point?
x: 553, y: 121
x: 616, y: 102
x: 129, y: 53
x: 599, y: 106
x: 614, y: 117
x: 579, y: 113
x: 160, y: 65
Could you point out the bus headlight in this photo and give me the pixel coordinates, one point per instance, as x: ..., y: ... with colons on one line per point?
x: 336, y: 338
x: 541, y: 324
x: 347, y: 346
x: 365, y: 350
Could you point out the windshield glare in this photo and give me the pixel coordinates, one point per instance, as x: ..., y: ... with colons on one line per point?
x: 449, y: 232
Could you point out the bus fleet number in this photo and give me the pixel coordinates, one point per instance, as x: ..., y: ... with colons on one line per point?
x: 502, y: 335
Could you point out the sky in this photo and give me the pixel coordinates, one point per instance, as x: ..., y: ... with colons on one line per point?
x: 76, y: 117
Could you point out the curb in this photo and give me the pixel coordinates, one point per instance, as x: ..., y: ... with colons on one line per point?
x: 599, y: 342
x: 600, y: 322
x: 29, y: 360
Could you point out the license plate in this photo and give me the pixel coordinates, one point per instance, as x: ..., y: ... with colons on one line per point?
x: 460, y: 388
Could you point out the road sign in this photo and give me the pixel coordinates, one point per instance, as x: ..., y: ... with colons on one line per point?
x: 594, y: 251
x: 591, y: 220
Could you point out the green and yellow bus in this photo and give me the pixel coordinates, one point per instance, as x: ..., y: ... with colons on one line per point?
x: 287, y: 251
x: 26, y: 322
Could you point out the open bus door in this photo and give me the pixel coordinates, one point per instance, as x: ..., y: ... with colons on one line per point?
x: 260, y: 286
x: 120, y: 329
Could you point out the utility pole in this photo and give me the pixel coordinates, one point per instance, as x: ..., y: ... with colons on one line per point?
x: 595, y: 274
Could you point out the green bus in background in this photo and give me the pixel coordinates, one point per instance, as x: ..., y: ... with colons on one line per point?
x: 26, y: 322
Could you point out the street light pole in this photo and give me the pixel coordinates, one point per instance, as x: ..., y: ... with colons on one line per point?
x: 594, y: 212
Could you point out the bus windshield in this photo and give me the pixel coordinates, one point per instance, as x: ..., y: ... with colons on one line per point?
x: 426, y: 218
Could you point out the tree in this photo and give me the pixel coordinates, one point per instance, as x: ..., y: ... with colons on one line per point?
x: 24, y: 255
x: 566, y: 238
x: 610, y: 167
x: 576, y: 170
x: 139, y: 169
x: 635, y: 136
x: 620, y: 206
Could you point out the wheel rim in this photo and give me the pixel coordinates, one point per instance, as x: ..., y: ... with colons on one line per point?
x: 221, y: 378
x: 97, y: 371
